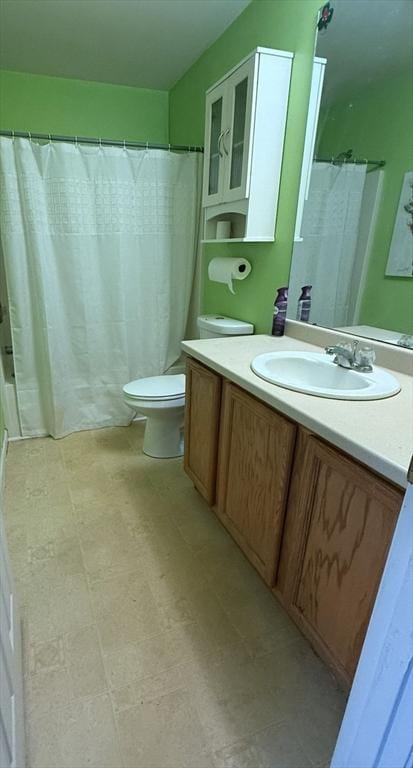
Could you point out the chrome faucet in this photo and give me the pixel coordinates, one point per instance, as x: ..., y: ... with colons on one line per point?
x: 350, y: 355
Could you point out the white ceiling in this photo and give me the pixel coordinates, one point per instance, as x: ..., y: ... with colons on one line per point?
x: 366, y: 40
x: 146, y: 43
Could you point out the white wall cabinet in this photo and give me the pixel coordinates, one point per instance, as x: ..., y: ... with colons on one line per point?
x: 317, y: 80
x: 245, y: 121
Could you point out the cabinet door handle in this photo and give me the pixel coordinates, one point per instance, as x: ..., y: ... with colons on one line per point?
x: 219, y: 143
x: 225, y: 133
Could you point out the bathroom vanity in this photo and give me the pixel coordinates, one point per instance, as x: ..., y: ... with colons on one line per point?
x: 309, y: 488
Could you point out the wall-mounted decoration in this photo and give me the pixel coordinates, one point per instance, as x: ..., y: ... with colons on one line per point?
x: 400, y: 261
x: 326, y: 14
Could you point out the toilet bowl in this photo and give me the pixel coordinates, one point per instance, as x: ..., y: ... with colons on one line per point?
x: 162, y: 400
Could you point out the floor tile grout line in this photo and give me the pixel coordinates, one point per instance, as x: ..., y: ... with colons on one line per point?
x: 216, y: 596
x: 101, y: 648
x: 174, y: 489
x: 275, y: 723
x: 108, y: 687
x: 107, y: 690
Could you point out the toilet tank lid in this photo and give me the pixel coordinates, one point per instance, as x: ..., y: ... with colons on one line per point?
x: 225, y: 326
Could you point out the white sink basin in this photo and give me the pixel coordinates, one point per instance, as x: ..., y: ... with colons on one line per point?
x: 315, y: 373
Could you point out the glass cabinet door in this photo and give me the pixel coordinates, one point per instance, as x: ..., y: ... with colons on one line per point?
x: 215, y: 146
x: 236, y: 141
x: 238, y: 133
x: 214, y: 154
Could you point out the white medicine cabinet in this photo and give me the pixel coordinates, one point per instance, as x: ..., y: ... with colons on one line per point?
x: 246, y: 113
x: 317, y: 80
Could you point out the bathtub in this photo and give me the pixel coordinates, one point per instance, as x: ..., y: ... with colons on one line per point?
x: 9, y: 400
x: 8, y: 396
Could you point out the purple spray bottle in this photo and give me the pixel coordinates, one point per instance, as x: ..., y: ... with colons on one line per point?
x: 304, y: 304
x: 280, y: 311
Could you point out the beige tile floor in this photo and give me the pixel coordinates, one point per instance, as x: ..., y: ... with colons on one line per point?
x: 150, y: 642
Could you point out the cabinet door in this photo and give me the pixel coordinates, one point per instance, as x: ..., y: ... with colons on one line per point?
x: 339, y: 524
x: 202, y: 412
x: 255, y: 454
x: 238, y: 133
x: 214, y: 156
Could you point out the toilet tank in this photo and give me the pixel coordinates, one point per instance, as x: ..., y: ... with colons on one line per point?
x: 214, y: 326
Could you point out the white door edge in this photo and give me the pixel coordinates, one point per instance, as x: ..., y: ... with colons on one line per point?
x: 12, y: 742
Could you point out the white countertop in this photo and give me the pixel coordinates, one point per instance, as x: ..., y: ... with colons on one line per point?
x: 378, y: 433
x: 371, y: 332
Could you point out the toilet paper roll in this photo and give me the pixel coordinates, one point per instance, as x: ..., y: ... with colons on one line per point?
x: 225, y: 270
x: 223, y: 230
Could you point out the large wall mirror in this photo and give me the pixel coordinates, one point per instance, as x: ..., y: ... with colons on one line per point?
x: 356, y: 246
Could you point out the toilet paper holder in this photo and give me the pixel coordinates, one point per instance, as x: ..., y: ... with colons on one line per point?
x: 223, y: 269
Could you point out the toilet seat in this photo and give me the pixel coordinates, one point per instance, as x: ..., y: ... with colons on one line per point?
x: 161, y: 399
x: 157, y: 388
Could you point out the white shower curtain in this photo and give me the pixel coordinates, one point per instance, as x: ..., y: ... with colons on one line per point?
x: 325, y: 258
x: 99, y: 246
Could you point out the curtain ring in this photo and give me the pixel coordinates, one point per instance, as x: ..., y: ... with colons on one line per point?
x: 30, y: 136
x: 189, y: 149
x: 124, y: 144
x: 100, y: 142
x: 76, y: 143
x: 169, y: 147
x: 12, y: 136
x: 147, y: 146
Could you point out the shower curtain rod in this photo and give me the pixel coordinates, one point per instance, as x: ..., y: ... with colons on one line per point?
x: 100, y: 142
x: 350, y: 160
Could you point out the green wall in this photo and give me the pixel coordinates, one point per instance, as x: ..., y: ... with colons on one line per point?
x: 284, y: 24
x: 377, y: 123
x: 76, y: 107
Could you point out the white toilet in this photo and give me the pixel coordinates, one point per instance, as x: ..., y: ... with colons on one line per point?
x: 162, y: 398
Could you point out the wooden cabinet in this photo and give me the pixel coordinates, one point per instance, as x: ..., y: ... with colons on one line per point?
x: 245, y: 119
x: 315, y: 523
x: 202, y: 414
x: 338, y: 529
x: 255, y: 455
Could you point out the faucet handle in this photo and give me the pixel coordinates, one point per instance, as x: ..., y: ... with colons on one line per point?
x: 404, y: 341
x: 365, y: 357
x: 349, y: 346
